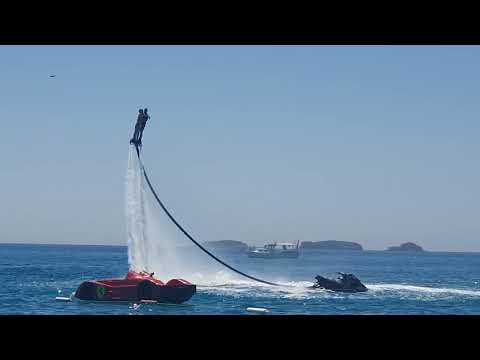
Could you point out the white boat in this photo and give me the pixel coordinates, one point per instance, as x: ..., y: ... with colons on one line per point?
x: 275, y: 251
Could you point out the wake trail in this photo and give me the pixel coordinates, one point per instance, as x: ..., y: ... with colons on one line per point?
x: 421, y: 289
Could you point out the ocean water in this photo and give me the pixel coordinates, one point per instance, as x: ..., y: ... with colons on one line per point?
x: 399, y: 283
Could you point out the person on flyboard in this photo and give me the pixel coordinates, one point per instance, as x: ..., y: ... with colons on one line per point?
x: 142, y: 119
x: 143, y: 123
x: 138, y: 126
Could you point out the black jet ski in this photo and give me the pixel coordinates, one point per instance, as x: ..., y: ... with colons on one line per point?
x: 344, y: 283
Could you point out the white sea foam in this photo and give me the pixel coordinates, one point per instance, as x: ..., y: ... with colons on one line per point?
x: 382, y: 288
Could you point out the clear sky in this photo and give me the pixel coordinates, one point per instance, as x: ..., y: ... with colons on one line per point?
x: 374, y: 144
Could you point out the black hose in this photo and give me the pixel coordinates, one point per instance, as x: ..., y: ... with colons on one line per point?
x: 189, y: 236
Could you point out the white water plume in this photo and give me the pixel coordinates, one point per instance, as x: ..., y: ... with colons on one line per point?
x: 154, y: 243
x: 134, y: 214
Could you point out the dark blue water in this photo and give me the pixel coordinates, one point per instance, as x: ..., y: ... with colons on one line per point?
x: 399, y: 283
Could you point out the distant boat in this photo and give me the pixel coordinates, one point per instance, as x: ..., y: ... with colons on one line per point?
x: 275, y: 251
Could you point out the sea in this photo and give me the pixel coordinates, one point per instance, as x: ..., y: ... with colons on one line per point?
x: 401, y: 283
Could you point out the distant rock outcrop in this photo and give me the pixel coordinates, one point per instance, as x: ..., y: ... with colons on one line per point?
x: 330, y: 245
x: 409, y: 246
x: 227, y: 245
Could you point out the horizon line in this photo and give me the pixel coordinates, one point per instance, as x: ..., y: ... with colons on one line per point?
x: 124, y: 245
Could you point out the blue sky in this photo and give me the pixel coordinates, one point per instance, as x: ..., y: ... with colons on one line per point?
x: 375, y: 144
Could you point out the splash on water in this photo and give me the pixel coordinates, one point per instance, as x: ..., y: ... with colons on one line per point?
x: 154, y: 243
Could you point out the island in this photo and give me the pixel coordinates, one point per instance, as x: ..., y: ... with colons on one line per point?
x: 409, y: 246
x: 227, y: 245
x: 330, y: 245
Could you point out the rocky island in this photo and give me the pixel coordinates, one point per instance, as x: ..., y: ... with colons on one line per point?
x: 227, y: 245
x: 409, y: 246
x: 330, y: 245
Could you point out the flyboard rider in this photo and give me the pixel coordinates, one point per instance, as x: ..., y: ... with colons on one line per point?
x: 142, y: 119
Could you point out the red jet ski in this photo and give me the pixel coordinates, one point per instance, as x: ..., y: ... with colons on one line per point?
x: 136, y: 287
